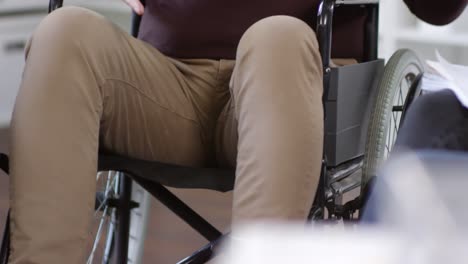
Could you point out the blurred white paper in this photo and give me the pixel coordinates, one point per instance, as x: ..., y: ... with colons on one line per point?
x: 283, y: 243
x: 442, y: 74
x: 289, y: 244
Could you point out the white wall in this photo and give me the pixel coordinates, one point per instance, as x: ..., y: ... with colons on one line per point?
x: 401, y: 29
x: 18, y: 18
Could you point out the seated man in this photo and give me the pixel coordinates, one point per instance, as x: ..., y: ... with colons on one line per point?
x: 213, y: 83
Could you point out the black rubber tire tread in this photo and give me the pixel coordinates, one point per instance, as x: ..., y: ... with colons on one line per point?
x: 378, y: 125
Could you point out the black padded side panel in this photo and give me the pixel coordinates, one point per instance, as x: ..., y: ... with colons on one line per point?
x: 352, y: 89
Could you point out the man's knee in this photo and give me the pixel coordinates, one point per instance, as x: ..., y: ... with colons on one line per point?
x: 279, y: 58
x: 66, y: 27
x: 282, y: 34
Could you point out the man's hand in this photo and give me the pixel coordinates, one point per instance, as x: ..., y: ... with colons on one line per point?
x: 136, y: 6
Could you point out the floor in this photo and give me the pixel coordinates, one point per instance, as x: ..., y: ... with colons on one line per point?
x: 169, y: 239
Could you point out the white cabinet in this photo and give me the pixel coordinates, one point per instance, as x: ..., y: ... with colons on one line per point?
x: 18, y: 19
x: 401, y: 29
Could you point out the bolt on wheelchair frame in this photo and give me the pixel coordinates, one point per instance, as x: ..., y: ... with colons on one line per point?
x: 325, y: 198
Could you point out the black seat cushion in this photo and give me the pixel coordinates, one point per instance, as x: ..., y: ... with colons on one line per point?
x: 170, y: 175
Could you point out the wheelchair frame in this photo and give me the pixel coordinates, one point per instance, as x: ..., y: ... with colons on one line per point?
x: 325, y: 199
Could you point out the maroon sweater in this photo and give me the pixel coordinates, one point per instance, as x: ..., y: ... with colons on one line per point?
x: 213, y: 28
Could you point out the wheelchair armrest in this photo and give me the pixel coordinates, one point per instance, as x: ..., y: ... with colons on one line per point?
x: 54, y: 4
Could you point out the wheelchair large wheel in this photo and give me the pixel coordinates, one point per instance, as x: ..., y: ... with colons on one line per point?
x: 395, y: 93
x: 105, y: 224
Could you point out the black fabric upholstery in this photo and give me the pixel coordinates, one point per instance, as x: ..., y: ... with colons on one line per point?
x: 4, y: 163
x: 435, y: 121
x: 171, y: 175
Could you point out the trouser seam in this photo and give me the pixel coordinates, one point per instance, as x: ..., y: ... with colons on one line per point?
x: 150, y: 98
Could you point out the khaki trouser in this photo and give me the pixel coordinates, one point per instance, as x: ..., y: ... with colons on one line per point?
x: 88, y: 84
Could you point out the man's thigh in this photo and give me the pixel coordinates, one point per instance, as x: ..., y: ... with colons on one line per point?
x: 150, y: 107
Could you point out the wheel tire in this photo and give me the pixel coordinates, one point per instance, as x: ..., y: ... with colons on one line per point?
x: 403, y: 65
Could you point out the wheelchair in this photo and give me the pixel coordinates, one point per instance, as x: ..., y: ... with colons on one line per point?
x: 364, y: 105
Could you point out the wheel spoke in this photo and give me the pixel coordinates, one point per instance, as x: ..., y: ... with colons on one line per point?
x: 394, y: 123
x: 400, y: 98
x: 98, y: 236
x: 398, y: 102
x: 104, y: 218
x: 110, y: 183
